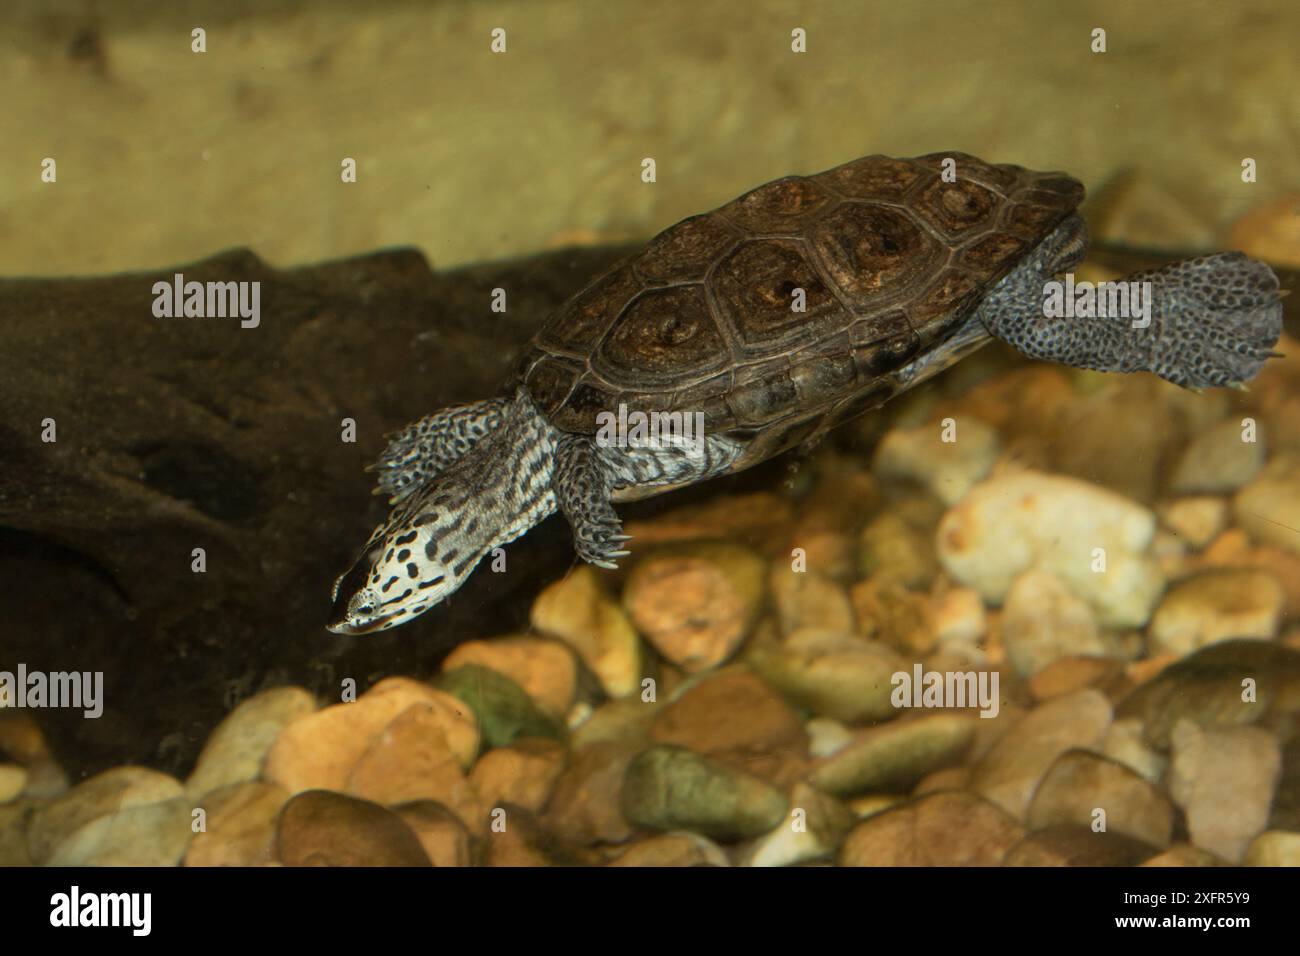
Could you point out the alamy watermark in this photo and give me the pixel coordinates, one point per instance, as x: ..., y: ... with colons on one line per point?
x: 624, y: 429
x: 947, y: 689
x: 208, y: 300
x: 77, y: 690
x: 1098, y: 300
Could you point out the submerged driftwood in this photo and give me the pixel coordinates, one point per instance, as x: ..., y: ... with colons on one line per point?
x: 173, y: 434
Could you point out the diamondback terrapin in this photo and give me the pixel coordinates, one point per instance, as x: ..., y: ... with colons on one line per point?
x: 803, y: 303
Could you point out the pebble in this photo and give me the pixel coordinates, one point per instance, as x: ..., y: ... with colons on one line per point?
x: 546, y: 670
x: 21, y: 738
x: 826, y: 736
x: 584, y: 809
x: 1065, y: 675
x: 833, y: 675
x: 669, y: 788
x: 236, y: 750
x: 950, y: 778
x: 523, y: 842
x: 1206, y: 688
x: 1126, y: 744
x: 833, y: 554
x: 1098, y: 439
x: 957, y: 616
x: 758, y: 516
x: 1080, y: 784
x: 1183, y: 854
x: 13, y: 780
x: 808, y: 599
x: 673, y: 849
x: 730, y: 712
x: 938, y: 829
x: 411, y: 759
x: 1273, y: 848
x: 1224, y: 779
x: 1018, y: 520
x: 1068, y: 845
x: 321, y: 828
x: 113, y: 791
x: 1285, y: 568
x: 949, y: 469
x: 869, y: 804
x: 1171, y: 554
x: 1216, y: 605
x: 155, y: 834
x: 318, y: 751
x: 1197, y: 519
x: 696, y: 603
x: 524, y: 773
x: 240, y: 826
x: 891, y: 548
x: 1269, y: 507
x: 814, y: 829
x: 45, y: 779
x: 504, y: 710
x: 895, y: 756
x: 1218, y: 460
x: 891, y: 614
x: 1043, y: 622
x: 625, y: 722
x: 578, y: 611
x: 1011, y: 770
x: 445, y: 839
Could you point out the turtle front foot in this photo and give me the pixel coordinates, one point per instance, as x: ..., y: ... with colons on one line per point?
x: 1216, y: 320
x: 582, y: 490
x: 604, y: 550
x: 426, y: 448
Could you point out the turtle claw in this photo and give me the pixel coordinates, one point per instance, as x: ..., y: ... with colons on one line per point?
x: 607, y: 565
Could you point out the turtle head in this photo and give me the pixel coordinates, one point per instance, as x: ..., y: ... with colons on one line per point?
x: 410, y: 564
x: 439, y: 531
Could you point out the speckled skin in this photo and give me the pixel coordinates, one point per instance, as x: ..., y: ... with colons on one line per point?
x: 1215, y: 319
x: 903, y: 273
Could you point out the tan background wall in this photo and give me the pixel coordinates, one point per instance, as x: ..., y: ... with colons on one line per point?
x: 164, y: 155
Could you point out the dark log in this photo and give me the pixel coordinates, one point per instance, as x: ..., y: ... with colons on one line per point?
x: 183, y: 433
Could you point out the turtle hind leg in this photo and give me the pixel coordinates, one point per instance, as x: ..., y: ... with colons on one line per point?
x: 1208, y: 322
x: 425, y: 449
x: 582, y: 490
x: 1215, y: 319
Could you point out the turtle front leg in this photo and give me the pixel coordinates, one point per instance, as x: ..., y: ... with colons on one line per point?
x: 426, y: 448
x: 582, y: 489
x: 1208, y: 322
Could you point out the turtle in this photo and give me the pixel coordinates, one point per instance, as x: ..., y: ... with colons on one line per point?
x: 803, y: 303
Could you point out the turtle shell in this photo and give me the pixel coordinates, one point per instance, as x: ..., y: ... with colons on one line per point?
x: 891, y: 258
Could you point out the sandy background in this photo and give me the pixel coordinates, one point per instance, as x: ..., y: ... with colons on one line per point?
x: 166, y: 156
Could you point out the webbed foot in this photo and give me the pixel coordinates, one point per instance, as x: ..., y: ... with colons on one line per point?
x: 426, y: 448
x: 1216, y: 320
